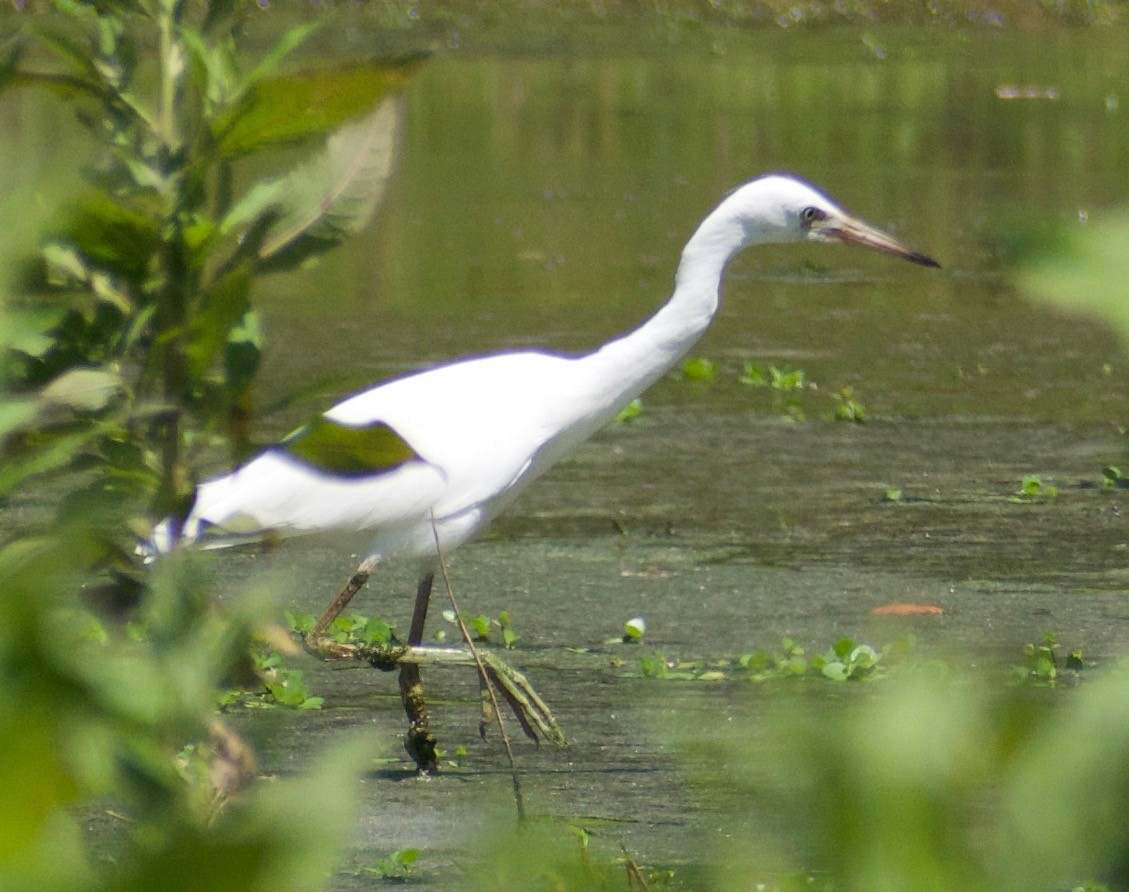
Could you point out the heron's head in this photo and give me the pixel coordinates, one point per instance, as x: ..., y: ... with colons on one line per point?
x: 781, y: 208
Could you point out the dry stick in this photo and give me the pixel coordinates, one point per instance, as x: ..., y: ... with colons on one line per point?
x: 519, y: 799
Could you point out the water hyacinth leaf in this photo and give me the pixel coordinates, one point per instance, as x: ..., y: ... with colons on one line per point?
x: 699, y: 368
x: 377, y: 631
x: 84, y: 389
x: 348, y: 451
x: 480, y: 627
x: 634, y: 629
x: 294, y: 107
x: 335, y: 194
x: 629, y: 412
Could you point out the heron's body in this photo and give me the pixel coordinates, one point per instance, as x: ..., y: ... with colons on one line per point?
x: 484, y: 428
x: 455, y: 444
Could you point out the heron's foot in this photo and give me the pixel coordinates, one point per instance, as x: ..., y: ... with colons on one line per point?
x: 531, y: 712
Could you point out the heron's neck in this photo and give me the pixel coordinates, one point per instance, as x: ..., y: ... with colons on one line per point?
x: 633, y: 362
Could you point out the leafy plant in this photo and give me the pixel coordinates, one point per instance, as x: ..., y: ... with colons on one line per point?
x: 130, y: 343
x: 1113, y: 478
x: 630, y: 412
x: 634, y: 629
x: 847, y: 660
x: 279, y: 686
x: 397, y: 865
x: 1033, y: 489
x: 1042, y: 664
x: 782, y: 379
x: 699, y: 369
x: 481, y: 627
x: 350, y: 628
x: 847, y: 407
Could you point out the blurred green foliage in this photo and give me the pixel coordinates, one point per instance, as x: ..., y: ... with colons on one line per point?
x: 129, y: 346
x: 1081, y: 268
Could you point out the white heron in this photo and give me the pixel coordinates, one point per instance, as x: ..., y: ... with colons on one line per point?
x: 454, y: 445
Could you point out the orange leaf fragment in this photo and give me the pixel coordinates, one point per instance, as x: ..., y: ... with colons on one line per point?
x: 907, y: 610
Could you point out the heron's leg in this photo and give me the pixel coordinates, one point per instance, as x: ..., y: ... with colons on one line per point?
x: 420, y: 743
x: 354, y: 585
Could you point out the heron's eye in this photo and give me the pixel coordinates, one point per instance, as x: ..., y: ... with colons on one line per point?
x: 812, y: 214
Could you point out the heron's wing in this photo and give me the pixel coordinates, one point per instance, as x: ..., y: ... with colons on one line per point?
x: 284, y: 495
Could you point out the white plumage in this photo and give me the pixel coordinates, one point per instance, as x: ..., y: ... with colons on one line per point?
x: 484, y: 428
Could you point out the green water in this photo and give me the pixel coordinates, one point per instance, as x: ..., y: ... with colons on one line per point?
x: 543, y: 200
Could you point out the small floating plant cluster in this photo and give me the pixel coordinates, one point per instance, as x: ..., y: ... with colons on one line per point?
x: 1044, y: 663
x: 845, y: 660
x: 786, y: 385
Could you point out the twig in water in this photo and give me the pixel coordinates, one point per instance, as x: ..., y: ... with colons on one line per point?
x: 635, y: 879
x: 519, y: 799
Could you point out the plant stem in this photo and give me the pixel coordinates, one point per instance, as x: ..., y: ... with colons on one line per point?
x: 172, y: 308
x: 519, y: 798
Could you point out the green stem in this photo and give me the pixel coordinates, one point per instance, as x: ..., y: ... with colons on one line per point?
x: 172, y: 70
x: 172, y: 310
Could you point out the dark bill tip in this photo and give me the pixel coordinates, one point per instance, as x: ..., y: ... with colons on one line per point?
x: 916, y: 257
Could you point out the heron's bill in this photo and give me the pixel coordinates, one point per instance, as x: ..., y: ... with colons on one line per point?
x: 855, y: 232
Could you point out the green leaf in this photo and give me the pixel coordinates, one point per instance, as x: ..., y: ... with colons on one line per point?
x: 122, y: 238
x: 291, y: 39
x: 302, y: 623
x: 1085, y: 270
x: 349, y: 451
x: 629, y: 412
x: 634, y: 629
x: 243, y: 352
x: 377, y: 631
x: 335, y: 194
x: 699, y: 368
x: 214, y: 325
x: 835, y: 670
x: 16, y: 413
x: 753, y: 375
x: 59, y: 453
x: 294, y: 107
x: 480, y: 626
x: 84, y: 389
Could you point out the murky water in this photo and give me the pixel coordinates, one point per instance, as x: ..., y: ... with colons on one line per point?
x: 544, y: 201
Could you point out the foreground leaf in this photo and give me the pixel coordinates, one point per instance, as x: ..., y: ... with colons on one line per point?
x: 84, y: 389
x: 294, y: 107
x: 1085, y: 271
x: 333, y: 196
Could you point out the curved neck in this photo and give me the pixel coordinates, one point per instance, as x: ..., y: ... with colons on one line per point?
x: 630, y: 364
